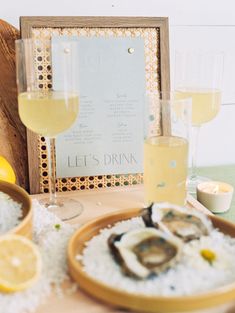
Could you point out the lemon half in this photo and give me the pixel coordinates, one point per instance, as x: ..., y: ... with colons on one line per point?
x: 20, y: 263
x: 6, y: 171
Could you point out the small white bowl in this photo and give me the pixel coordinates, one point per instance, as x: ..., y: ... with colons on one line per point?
x: 215, y: 196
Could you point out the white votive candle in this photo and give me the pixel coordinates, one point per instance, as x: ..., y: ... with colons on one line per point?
x: 215, y: 196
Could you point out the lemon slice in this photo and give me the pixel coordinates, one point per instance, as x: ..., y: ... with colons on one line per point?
x: 20, y: 263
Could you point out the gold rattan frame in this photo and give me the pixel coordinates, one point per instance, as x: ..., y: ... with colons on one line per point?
x: 154, y: 31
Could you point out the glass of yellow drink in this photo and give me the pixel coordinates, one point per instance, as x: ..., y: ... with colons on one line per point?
x: 46, y: 109
x: 199, y: 75
x: 167, y: 130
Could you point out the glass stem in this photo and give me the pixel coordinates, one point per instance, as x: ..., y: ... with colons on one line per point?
x: 50, y: 142
x: 194, y: 142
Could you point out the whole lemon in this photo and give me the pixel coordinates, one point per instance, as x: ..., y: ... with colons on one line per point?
x: 6, y: 171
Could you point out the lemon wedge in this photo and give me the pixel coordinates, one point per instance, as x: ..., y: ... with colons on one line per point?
x: 6, y: 171
x: 20, y: 263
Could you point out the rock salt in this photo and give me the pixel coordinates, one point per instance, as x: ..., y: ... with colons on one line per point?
x: 52, y: 243
x: 10, y: 213
x: 192, y: 275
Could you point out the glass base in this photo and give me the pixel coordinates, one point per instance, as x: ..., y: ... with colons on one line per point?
x: 193, y: 181
x: 65, y: 209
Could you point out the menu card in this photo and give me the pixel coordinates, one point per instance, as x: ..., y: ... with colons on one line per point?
x: 107, y: 137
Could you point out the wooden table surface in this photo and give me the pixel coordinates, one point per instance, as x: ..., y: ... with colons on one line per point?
x: 97, y: 203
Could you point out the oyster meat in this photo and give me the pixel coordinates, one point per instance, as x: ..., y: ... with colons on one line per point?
x: 181, y: 222
x: 145, y: 251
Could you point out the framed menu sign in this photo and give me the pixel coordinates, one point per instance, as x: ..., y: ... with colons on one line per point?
x: 119, y: 59
x: 108, y: 134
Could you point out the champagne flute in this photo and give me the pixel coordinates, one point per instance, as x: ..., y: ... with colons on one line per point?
x: 46, y: 110
x: 199, y: 75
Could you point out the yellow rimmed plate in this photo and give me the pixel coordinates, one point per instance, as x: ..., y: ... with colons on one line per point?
x: 136, y: 301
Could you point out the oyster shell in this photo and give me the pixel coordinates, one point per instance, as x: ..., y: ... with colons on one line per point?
x: 145, y: 251
x: 181, y: 222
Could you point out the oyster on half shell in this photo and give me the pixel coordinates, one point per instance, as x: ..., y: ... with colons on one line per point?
x: 145, y: 251
x: 181, y: 222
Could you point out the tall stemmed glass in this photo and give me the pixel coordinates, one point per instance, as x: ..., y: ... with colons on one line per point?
x: 45, y: 109
x: 199, y: 75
